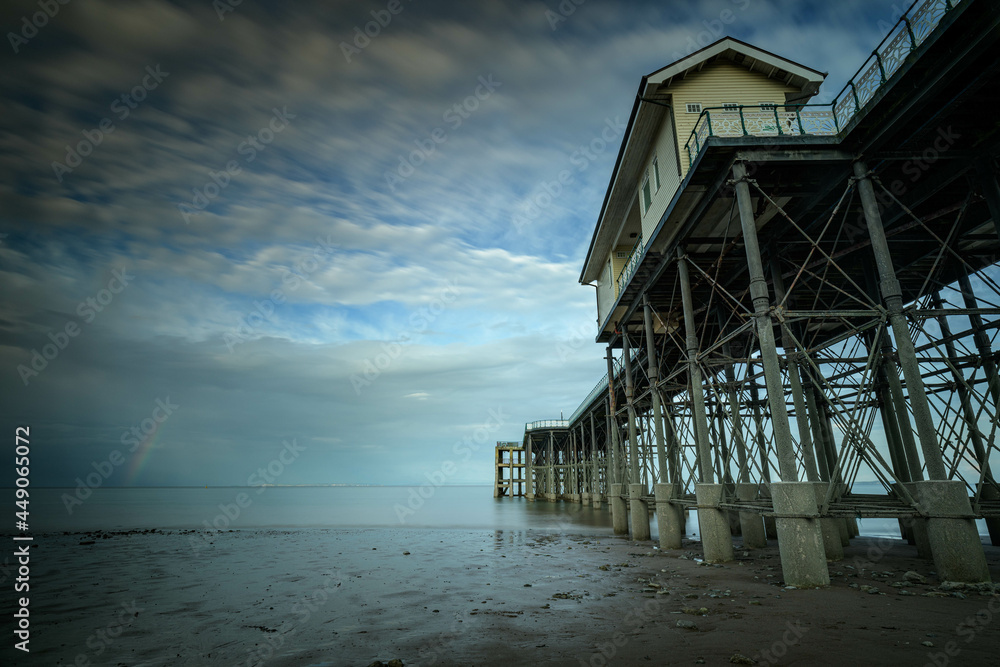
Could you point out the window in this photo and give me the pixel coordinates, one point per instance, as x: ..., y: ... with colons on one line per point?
x: 647, y: 195
x: 767, y: 106
x: 694, y: 107
x: 621, y: 254
x: 731, y: 106
x: 656, y: 175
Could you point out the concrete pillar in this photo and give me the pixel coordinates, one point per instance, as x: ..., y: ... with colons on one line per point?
x: 800, y: 540
x: 954, y: 558
x: 669, y: 517
x: 751, y: 523
x: 955, y: 544
x: 619, y: 510
x: 639, y: 512
x: 800, y: 537
x: 833, y: 546
x: 713, y: 523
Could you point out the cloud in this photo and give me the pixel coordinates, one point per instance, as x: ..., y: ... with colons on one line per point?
x: 507, y: 336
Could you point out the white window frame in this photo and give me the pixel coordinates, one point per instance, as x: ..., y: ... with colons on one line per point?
x: 656, y: 175
x: 693, y: 107
x: 730, y: 106
x: 768, y: 106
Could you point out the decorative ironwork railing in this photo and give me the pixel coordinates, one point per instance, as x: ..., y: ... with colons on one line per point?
x: 630, y: 264
x: 547, y: 423
x: 910, y: 31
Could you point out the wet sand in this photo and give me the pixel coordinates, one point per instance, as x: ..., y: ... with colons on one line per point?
x: 476, y: 597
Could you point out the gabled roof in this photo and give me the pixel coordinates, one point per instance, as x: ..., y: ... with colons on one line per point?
x: 645, y: 114
x: 747, y: 55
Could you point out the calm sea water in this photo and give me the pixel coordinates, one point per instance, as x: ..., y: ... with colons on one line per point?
x: 465, y: 507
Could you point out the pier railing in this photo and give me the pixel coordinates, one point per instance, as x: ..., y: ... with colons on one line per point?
x: 600, y: 388
x: 909, y: 32
x: 630, y: 264
x: 547, y: 423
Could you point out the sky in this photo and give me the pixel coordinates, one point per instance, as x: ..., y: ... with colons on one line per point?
x: 322, y: 233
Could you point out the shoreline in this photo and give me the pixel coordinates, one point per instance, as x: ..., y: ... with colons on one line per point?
x: 438, y: 596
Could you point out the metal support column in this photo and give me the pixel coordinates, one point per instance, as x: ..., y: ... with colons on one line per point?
x: 954, y: 542
x: 800, y: 538
x: 638, y: 510
x: 713, y: 521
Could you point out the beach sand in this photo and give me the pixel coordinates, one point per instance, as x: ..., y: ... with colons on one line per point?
x: 477, y: 597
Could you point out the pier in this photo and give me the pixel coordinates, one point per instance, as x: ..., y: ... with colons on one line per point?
x: 509, y: 468
x: 794, y: 297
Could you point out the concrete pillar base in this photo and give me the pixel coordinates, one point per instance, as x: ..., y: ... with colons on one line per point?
x: 639, y: 511
x: 830, y: 527
x: 574, y: 497
x: 551, y: 497
x: 619, y: 510
x: 530, y: 497
x: 595, y: 499
x: 716, y: 541
x: 751, y: 523
x: 951, y: 531
x: 585, y: 498
x: 800, y: 535
x: 669, y: 517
